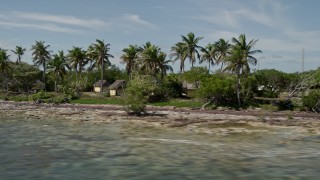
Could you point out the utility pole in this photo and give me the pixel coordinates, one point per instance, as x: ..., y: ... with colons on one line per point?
x: 302, y: 66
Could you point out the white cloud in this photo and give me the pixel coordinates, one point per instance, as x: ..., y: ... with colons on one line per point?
x: 234, y: 15
x: 223, y: 34
x: 234, y: 18
x: 69, y: 20
x: 257, y: 17
x: 291, y: 41
x: 47, y: 27
x: 54, y: 23
x: 225, y: 18
x: 137, y: 21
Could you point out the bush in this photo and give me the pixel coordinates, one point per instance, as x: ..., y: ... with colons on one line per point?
x: 19, y: 98
x: 41, y: 95
x: 138, y: 92
x: 172, y: 87
x: 284, y: 105
x: 218, y: 88
x: 106, y: 94
x: 271, y: 82
x: 59, y: 100
x: 72, y: 90
x: 311, y: 101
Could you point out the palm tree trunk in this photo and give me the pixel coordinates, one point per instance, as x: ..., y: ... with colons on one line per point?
x: 221, y: 66
x: 238, y: 86
x: 44, y: 75
x: 5, y: 83
x: 102, y: 73
x: 76, y: 74
x: 181, y: 67
x: 238, y: 90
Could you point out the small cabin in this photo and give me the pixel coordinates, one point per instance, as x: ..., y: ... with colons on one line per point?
x: 117, y: 88
x: 188, y: 88
x: 37, y: 86
x: 97, y: 86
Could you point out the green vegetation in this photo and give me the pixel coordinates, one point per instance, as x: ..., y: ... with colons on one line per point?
x: 179, y: 103
x: 58, y: 77
x: 311, y: 100
x: 139, y: 91
x: 97, y: 100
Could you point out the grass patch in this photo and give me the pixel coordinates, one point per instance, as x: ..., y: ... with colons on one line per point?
x: 16, y: 98
x: 179, y: 103
x: 97, y: 100
x: 119, y: 101
x: 269, y: 107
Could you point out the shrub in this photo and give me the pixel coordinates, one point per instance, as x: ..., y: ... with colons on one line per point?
x: 59, y: 100
x: 19, y: 98
x: 41, y: 95
x: 139, y: 90
x: 172, y: 87
x: 219, y: 89
x: 284, y: 105
x: 72, y: 90
x: 311, y: 101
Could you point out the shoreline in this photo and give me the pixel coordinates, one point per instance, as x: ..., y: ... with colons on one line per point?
x: 207, y: 121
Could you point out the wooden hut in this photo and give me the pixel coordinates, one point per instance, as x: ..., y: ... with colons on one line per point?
x: 97, y: 86
x: 116, y: 89
x: 188, y: 88
x: 37, y: 86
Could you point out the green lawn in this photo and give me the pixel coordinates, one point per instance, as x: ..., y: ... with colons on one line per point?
x: 118, y: 101
x: 113, y: 101
x: 179, y: 103
x: 96, y: 100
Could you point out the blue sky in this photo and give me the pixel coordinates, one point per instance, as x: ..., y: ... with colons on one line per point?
x: 283, y: 27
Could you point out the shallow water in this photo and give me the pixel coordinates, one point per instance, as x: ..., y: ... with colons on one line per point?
x: 55, y: 149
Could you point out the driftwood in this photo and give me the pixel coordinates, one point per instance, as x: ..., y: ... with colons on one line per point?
x: 304, y: 85
x: 207, y: 103
x: 316, y: 108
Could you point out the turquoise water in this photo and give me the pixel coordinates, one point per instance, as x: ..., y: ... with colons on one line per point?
x: 55, y: 149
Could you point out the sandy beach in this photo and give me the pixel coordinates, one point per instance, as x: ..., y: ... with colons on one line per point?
x: 205, y: 121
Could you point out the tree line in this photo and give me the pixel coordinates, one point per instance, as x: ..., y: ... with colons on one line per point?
x: 232, y: 83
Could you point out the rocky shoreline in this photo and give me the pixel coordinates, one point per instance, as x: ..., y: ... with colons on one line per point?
x: 206, y: 121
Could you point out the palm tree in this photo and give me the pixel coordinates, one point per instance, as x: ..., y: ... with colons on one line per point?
x: 147, y: 59
x: 19, y: 51
x: 162, y: 65
x: 222, y: 48
x: 77, y: 58
x: 209, y: 53
x: 191, y: 43
x: 180, y: 53
x: 99, y: 52
x: 4, y: 65
x: 41, y: 55
x: 57, y: 65
x: 153, y: 61
x: 129, y: 57
x: 240, y: 57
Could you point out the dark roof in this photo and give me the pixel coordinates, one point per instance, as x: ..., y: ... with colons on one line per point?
x: 188, y: 86
x: 104, y: 83
x: 117, y: 84
x: 38, y: 85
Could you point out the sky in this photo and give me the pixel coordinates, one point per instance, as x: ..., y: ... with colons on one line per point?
x: 283, y: 27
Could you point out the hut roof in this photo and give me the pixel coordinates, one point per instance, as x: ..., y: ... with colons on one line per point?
x: 188, y: 86
x: 104, y: 83
x: 117, y: 84
x: 38, y: 85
